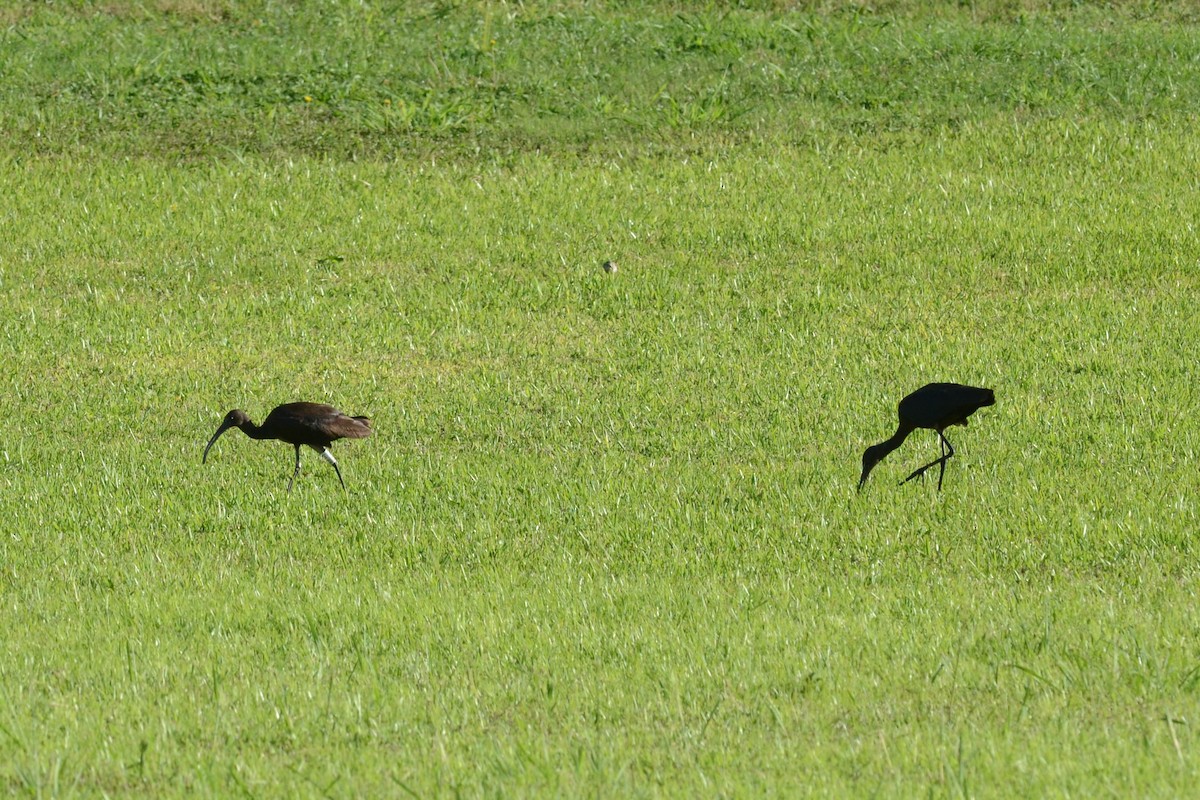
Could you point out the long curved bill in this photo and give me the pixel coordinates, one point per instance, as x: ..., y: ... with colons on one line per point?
x: 224, y: 427
x: 866, y: 471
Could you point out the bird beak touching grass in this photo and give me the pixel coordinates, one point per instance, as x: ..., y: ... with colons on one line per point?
x: 863, y: 479
x: 869, y: 462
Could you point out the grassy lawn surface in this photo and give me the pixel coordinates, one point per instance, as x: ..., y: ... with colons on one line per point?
x: 606, y: 539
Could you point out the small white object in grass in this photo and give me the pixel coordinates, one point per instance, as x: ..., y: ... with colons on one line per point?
x: 610, y: 267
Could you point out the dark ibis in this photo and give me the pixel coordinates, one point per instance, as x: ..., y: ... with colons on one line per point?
x: 935, y: 406
x: 314, y: 424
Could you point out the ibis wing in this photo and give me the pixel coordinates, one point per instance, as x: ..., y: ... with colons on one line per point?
x: 939, y: 404
x: 349, y: 427
x: 314, y: 423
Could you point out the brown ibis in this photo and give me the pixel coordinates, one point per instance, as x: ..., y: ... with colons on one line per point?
x: 935, y: 406
x: 314, y: 424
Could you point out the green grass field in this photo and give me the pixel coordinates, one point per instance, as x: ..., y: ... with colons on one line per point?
x: 606, y: 539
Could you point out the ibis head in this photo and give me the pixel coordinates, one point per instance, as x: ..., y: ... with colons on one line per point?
x: 234, y: 419
x: 873, y: 455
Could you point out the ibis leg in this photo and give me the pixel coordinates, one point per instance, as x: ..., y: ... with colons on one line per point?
x: 328, y: 456
x: 297, y: 472
x: 947, y: 450
x: 939, y: 462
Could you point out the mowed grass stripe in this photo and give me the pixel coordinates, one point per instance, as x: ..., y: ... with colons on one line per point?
x: 393, y: 79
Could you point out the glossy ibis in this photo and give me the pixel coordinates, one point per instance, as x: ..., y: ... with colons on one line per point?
x: 313, y: 424
x: 936, y: 406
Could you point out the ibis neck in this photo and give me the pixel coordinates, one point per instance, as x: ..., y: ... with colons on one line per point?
x: 897, y: 439
x: 252, y: 430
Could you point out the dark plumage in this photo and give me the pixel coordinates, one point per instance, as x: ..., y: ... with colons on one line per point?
x: 313, y: 424
x: 936, y: 406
